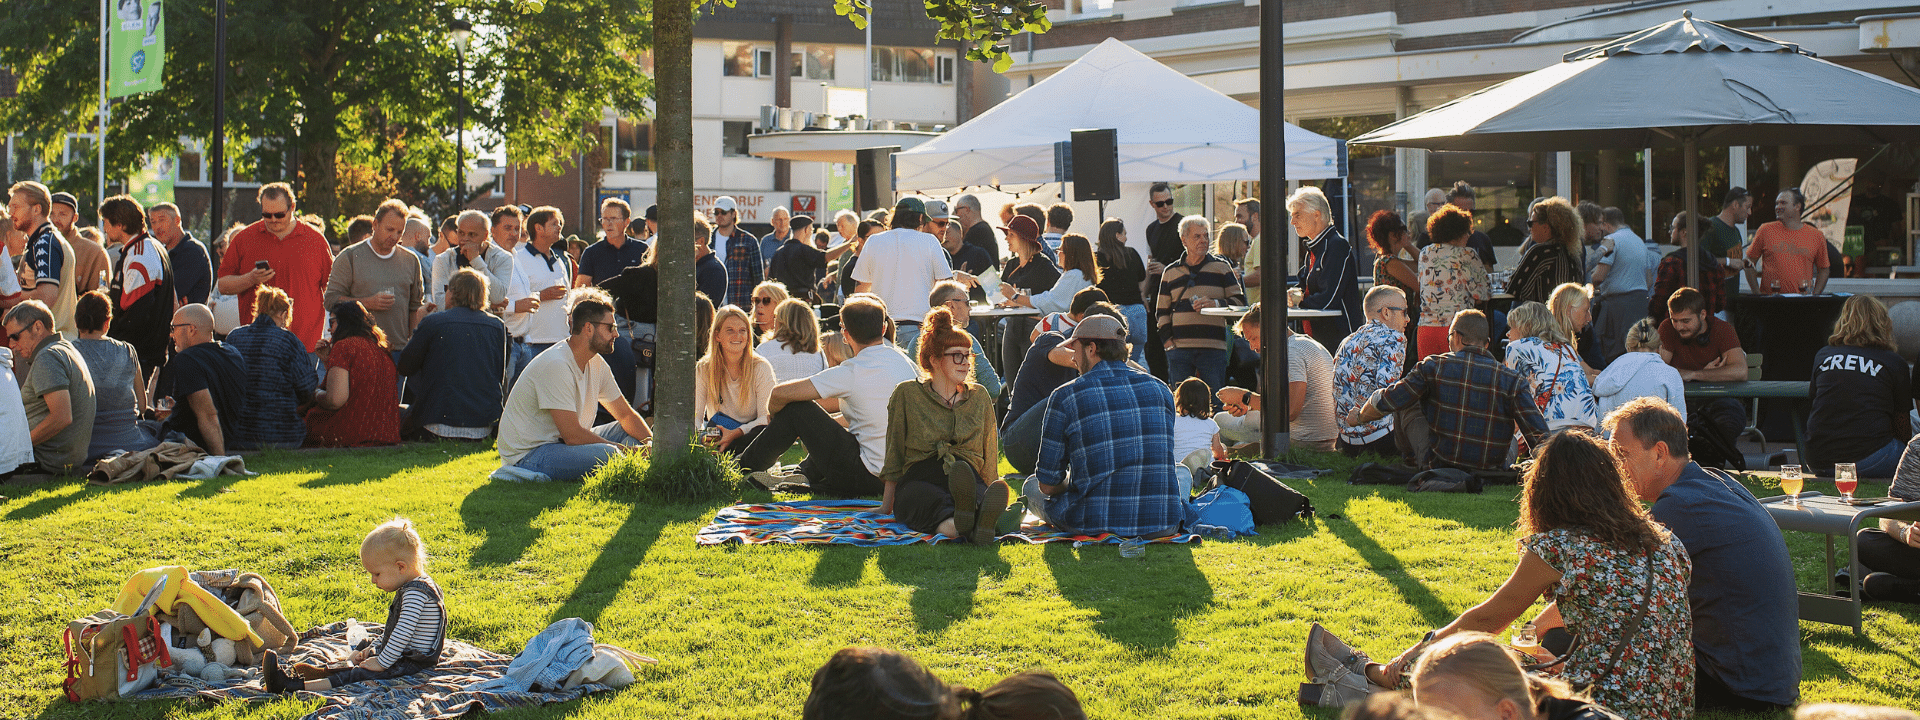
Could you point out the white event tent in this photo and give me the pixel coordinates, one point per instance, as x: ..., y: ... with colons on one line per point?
x: 1168, y: 127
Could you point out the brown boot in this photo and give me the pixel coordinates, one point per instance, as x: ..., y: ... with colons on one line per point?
x: 992, y: 504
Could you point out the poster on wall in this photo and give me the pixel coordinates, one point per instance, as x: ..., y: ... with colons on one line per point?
x: 137, y: 47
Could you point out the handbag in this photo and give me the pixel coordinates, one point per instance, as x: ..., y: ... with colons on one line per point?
x: 109, y: 655
x: 1272, y: 501
x: 643, y: 347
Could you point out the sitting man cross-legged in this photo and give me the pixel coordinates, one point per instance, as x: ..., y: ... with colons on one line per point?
x: 1370, y: 359
x: 843, y: 461
x: 1746, y: 628
x: 1106, y: 444
x: 1472, y: 403
x: 544, y: 427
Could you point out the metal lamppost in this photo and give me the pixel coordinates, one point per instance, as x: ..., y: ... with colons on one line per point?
x: 461, y: 31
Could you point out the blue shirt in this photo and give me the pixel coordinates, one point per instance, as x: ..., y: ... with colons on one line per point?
x: 710, y: 277
x: 280, y: 375
x: 192, y: 270
x: 602, y: 261
x: 1111, y: 430
x: 1746, y: 626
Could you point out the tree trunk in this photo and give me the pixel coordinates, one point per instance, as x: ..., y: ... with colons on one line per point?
x: 319, y: 151
x: 673, y: 409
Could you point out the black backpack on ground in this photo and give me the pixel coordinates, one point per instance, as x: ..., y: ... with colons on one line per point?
x: 1271, y: 500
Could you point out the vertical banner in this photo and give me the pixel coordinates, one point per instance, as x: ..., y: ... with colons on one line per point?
x: 152, y: 183
x: 839, y: 191
x: 138, y: 47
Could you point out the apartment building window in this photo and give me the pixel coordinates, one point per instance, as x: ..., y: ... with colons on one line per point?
x: 908, y: 65
x: 188, y: 168
x: 733, y: 137
x: 737, y: 60
x: 815, y: 63
x: 628, y: 145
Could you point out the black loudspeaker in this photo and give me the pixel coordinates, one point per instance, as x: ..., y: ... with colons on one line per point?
x: 873, y: 177
x: 1096, y: 165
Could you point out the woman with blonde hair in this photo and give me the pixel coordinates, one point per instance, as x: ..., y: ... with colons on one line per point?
x: 943, y: 452
x: 766, y: 297
x: 1616, y: 580
x: 1861, y: 393
x: 1232, y: 242
x: 1538, y: 348
x: 1640, y: 373
x: 1473, y: 676
x: 1554, y: 257
x: 793, y: 346
x: 1078, y: 271
x: 1572, y: 306
x: 733, y: 383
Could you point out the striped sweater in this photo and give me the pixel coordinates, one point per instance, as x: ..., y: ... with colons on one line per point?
x: 1184, y: 326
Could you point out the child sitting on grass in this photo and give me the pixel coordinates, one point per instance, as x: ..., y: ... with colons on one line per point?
x: 396, y: 562
x: 1194, y: 430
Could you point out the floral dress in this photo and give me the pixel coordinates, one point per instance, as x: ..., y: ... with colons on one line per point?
x: 1451, y: 279
x: 1560, y: 387
x: 1601, y: 589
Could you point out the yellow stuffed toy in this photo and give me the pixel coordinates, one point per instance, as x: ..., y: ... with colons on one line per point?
x: 223, y: 620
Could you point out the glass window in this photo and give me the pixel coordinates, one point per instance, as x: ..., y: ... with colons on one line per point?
x: 916, y: 65
x: 883, y: 68
x: 737, y: 59
x: 734, y: 137
x: 189, y: 165
x: 633, y: 144
x: 819, y: 62
x: 603, y: 139
x: 1503, y: 186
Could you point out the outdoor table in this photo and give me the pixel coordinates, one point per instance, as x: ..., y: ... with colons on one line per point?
x: 1292, y: 313
x: 1794, y: 390
x: 1829, y: 516
x: 1789, y: 329
x: 990, y: 330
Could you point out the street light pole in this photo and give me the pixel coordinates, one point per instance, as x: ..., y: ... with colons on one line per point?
x: 216, y: 216
x: 461, y: 31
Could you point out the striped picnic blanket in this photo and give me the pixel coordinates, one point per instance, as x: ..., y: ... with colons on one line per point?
x: 853, y: 522
x: 433, y: 694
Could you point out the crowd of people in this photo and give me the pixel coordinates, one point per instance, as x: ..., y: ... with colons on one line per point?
x: 1111, y: 397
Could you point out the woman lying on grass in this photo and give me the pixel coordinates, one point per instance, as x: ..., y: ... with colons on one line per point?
x: 1616, y: 579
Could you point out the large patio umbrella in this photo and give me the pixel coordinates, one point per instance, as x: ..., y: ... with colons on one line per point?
x: 1679, y: 84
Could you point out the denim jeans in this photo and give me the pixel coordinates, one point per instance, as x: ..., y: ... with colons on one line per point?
x: 1137, y: 331
x: 1882, y: 462
x: 1020, y: 444
x: 561, y: 461
x: 522, y: 354
x: 904, y: 334
x: 1208, y: 364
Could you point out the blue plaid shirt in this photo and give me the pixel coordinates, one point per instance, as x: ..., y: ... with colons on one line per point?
x: 1111, y: 430
x: 280, y: 375
x: 1472, y: 404
x: 741, y: 252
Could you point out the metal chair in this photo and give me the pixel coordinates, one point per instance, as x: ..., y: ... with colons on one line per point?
x: 1754, y: 361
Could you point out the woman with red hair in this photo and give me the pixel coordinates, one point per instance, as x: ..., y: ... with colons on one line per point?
x: 943, y: 453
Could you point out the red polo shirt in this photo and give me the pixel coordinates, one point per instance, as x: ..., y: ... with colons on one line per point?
x: 300, y: 262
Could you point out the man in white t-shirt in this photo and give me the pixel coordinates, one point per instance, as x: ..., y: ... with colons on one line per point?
x: 901, y: 265
x: 842, y: 461
x: 549, y: 271
x: 545, y: 426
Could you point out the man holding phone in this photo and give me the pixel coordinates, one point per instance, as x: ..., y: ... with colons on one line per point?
x: 281, y: 251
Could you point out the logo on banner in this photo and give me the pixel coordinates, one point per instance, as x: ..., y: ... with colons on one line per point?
x: 805, y: 204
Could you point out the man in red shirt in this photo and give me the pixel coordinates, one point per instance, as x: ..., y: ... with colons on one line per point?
x: 1791, y: 253
x: 1706, y: 349
x: 296, y: 259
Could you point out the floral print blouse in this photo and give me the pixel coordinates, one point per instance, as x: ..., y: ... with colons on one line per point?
x: 1451, y: 279
x: 1560, y: 387
x: 1602, y: 587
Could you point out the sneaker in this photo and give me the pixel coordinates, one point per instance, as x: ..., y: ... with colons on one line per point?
x: 1888, y: 587
x: 962, y: 483
x: 992, y: 506
x: 772, y: 478
x: 1339, y: 670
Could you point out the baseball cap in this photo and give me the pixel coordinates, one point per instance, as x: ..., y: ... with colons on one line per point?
x: 1098, y: 327
x: 67, y: 199
x: 653, y: 213
x: 725, y: 202
x: 911, y: 204
x: 1022, y: 226
x: 937, y: 209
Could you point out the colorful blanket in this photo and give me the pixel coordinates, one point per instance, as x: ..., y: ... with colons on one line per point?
x: 854, y: 522
x: 434, y: 694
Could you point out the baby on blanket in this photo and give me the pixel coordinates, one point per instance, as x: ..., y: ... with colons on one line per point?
x: 416, y: 631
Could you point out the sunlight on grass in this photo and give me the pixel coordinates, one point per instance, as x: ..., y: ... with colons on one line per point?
x: 1202, y: 631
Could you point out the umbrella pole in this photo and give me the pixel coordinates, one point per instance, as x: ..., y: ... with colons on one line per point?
x: 1689, y: 202
x: 1275, y: 261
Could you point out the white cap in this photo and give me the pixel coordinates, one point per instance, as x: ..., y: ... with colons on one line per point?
x: 937, y: 209
x: 725, y: 202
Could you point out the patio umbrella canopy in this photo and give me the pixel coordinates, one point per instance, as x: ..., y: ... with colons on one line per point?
x: 1678, y: 84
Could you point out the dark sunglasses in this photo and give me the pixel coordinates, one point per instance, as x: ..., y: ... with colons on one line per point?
x: 15, y: 336
x: 1162, y: 203
x: 763, y: 301
x: 274, y: 216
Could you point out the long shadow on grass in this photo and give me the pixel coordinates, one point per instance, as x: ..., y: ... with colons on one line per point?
x: 1138, y: 601
x: 1383, y: 563
x: 504, y: 512
x: 944, y: 580
x: 628, y: 547
x: 1817, y: 664
x: 839, y: 566
x: 61, y: 493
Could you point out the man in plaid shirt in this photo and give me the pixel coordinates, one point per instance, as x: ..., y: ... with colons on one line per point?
x: 1472, y: 402
x: 739, y: 249
x: 1106, y: 446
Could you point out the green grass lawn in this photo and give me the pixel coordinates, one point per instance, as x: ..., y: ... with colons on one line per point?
x: 1210, y: 631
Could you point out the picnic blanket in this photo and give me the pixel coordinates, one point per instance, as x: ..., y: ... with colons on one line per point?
x: 854, y: 522
x: 442, y: 692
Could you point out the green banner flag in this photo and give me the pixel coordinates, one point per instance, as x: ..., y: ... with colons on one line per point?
x: 152, y: 183
x: 137, y: 47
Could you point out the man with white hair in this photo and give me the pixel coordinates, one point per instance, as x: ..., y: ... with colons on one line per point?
x: 1330, y: 280
x: 474, y: 250
x: 1196, y: 344
x: 1417, y: 220
x: 979, y: 233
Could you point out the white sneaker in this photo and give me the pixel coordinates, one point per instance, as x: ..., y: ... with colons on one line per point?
x: 774, y: 477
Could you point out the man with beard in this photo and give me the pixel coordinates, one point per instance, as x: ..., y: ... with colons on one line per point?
x: 544, y: 427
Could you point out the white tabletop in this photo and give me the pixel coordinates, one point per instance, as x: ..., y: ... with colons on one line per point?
x: 988, y: 311
x: 1292, y: 313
